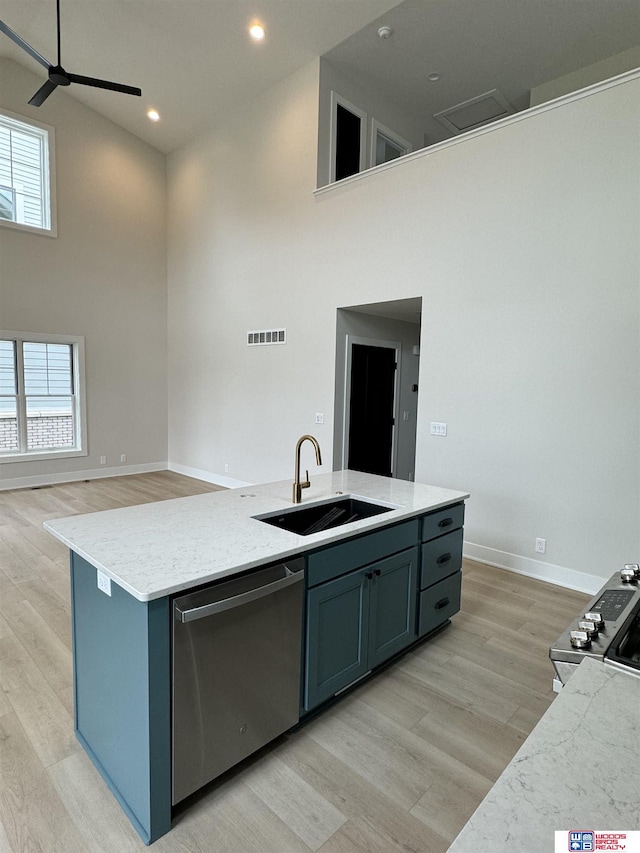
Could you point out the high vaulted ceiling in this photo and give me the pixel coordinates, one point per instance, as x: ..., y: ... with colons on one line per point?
x: 194, y: 60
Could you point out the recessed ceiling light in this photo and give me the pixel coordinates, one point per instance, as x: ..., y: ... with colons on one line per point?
x: 256, y: 31
x: 434, y: 77
x: 153, y: 115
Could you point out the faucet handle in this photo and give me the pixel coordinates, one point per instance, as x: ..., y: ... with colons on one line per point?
x: 307, y: 482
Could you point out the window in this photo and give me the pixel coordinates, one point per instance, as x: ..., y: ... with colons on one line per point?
x: 348, y: 138
x: 41, y: 397
x: 386, y: 145
x: 26, y: 175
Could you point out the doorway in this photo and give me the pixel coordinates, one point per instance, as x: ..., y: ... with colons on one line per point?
x: 371, y: 405
x: 376, y: 403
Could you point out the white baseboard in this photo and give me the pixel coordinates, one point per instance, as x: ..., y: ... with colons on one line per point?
x: 208, y: 477
x: 559, y: 575
x: 76, y: 476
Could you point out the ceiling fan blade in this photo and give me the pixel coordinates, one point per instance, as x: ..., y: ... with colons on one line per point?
x: 43, y: 93
x: 24, y: 45
x: 104, y: 84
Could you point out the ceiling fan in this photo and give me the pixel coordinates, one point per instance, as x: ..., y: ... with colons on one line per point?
x: 57, y: 74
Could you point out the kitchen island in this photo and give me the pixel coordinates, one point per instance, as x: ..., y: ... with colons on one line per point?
x: 577, y: 770
x: 126, y: 564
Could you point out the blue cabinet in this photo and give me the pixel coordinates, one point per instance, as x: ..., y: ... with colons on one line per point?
x: 357, y: 621
x: 337, y: 631
x: 368, y: 598
x: 440, y: 568
x: 122, y: 695
x: 392, y: 606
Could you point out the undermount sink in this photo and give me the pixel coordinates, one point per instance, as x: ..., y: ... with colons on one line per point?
x: 323, y: 516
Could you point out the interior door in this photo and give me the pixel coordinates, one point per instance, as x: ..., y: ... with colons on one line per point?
x: 371, y: 409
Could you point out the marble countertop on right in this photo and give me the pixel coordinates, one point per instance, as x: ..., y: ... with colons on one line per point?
x: 579, y: 769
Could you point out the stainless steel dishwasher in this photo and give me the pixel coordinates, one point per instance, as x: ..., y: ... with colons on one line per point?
x: 236, y: 657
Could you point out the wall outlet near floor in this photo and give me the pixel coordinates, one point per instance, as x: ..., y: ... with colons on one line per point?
x: 123, y: 457
x: 103, y: 460
x: 226, y: 468
x: 541, y: 546
x: 319, y: 417
x: 438, y: 429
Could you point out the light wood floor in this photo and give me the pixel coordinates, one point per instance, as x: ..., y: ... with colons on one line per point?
x: 398, y: 765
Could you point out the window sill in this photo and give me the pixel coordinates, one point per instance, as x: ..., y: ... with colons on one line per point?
x: 28, y: 229
x: 41, y: 455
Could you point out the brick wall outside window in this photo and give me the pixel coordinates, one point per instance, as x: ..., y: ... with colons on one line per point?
x: 43, y: 432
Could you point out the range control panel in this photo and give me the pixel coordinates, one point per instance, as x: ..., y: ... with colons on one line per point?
x: 612, y: 602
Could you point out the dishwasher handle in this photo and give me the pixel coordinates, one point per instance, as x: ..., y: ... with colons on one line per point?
x: 194, y: 613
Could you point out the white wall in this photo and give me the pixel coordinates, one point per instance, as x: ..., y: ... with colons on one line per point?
x: 522, y: 241
x: 103, y: 277
x: 609, y: 67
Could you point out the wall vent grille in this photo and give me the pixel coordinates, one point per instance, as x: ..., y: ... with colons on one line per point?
x: 266, y: 336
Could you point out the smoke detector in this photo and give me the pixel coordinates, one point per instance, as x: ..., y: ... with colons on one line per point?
x: 385, y: 32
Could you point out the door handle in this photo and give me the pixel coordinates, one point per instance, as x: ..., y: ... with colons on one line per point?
x: 368, y: 575
x: 443, y: 558
x: 238, y: 600
x: 378, y: 572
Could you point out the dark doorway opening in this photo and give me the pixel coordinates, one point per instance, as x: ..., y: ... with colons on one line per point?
x: 347, y: 143
x: 371, y: 409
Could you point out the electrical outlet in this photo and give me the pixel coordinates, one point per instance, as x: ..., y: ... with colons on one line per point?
x: 226, y: 469
x: 104, y: 582
x: 319, y: 418
x: 541, y: 546
x: 438, y: 429
x: 103, y: 460
x: 123, y: 457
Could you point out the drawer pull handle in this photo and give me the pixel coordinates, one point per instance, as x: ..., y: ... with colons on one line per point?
x: 443, y: 558
x: 445, y: 522
x: 442, y: 603
x: 378, y: 572
x: 368, y: 575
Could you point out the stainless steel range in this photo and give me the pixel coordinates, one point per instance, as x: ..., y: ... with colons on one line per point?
x: 608, y: 629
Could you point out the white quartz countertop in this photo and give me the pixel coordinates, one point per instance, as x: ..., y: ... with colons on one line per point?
x: 164, y: 547
x: 577, y: 770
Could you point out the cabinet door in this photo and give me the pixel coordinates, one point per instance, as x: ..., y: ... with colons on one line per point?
x: 337, y: 630
x: 392, y: 624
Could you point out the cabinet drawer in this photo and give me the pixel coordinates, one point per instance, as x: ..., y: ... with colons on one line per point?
x: 441, y: 557
x: 442, y: 521
x: 439, y: 603
x: 339, y: 559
